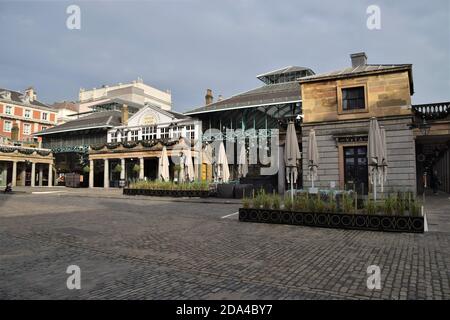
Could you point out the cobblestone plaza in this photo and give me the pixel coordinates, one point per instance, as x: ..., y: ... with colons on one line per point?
x: 142, y: 248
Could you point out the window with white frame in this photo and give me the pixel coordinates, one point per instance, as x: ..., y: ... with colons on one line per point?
x: 7, y: 125
x: 134, y: 135
x: 190, y: 132
x: 165, y: 133
x: 27, y: 113
x: 113, y: 136
x: 44, y: 116
x: 148, y: 133
x: 9, y: 110
x: 176, y: 132
x: 26, y: 128
x: 44, y: 128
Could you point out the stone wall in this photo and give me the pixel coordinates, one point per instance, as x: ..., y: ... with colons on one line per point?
x: 400, y: 147
x: 386, y: 95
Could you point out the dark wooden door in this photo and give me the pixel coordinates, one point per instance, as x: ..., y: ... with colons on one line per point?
x: 355, y: 169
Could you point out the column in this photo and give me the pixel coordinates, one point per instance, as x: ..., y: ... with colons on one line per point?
x: 91, y: 173
x: 41, y: 175
x: 141, y: 168
x: 106, y: 174
x: 50, y: 174
x: 33, y: 174
x: 23, y: 174
x: 14, y: 174
x: 122, y: 173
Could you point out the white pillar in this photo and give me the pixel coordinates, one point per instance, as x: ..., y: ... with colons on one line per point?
x: 50, y: 174
x: 33, y: 174
x: 41, y: 175
x: 122, y: 173
x: 23, y: 174
x: 106, y: 174
x: 141, y: 168
x: 14, y: 174
x: 91, y: 173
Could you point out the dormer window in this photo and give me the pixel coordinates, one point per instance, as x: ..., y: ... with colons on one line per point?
x: 27, y: 113
x: 44, y: 116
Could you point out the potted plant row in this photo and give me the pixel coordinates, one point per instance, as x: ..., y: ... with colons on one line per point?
x: 399, y: 212
x: 168, y: 189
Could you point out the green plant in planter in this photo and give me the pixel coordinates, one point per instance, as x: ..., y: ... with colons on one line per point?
x: 288, y: 204
x: 300, y: 202
x: 331, y: 204
x: 266, y: 200
x: 117, y: 168
x: 401, y: 204
x: 415, y: 208
x: 348, y: 205
x: 86, y: 169
x: 390, y: 204
x: 246, y: 203
x: 276, y: 202
x: 370, y: 207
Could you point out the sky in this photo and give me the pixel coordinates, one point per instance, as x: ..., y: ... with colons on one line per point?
x: 187, y: 46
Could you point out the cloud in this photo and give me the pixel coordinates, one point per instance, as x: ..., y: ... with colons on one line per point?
x: 188, y: 46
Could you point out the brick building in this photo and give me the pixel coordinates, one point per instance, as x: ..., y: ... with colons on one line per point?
x: 22, y: 115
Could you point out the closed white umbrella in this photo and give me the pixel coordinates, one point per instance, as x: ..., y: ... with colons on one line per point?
x: 291, y: 156
x: 188, y: 165
x: 181, y: 174
x: 222, y: 164
x: 376, y: 154
x: 313, y: 156
x: 242, y: 161
x: 164, y: 165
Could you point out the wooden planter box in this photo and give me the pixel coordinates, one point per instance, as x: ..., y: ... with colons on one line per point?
x: 166, y: 193
x: 335, y: 220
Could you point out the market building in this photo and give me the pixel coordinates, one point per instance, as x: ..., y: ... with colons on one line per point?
x: 338, y: 106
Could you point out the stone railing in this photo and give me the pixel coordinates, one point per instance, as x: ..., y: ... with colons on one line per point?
x: 432, y: 110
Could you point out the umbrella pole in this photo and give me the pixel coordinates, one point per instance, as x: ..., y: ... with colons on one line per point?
x: 292, y: 186
x: 375, y: 188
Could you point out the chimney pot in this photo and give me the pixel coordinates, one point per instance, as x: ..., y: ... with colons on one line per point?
x: 358, y: 59
x: 124, y: 114
x: 209, y: 97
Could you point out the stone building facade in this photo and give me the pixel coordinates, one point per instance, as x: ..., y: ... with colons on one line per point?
x: 338, y: 106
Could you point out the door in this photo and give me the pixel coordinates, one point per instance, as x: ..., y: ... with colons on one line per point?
x: 355, y: 169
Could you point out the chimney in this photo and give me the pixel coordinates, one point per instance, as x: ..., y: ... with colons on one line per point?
x: 30, y: 94
x: 358, y: 59
x: 15, y: 132
x: 124, y: 114
x: 208, y: 97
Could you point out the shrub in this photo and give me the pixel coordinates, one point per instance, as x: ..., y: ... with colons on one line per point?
x: 246, y: 202
x: 266, y: 200
x: 300, y: 202
x: 390, y: 204
x: 276, y: 202
x: 86, y: 169
x: 288, y: 204
x: 331, y: 205
x: 348, y: 205
x: 370, y: 206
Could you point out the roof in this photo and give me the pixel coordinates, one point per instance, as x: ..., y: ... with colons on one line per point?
x: 16, y: 97
x: 101, y: 119
x: 286, y: 74
x: 270, y: 94
x: 65, y: 105
x: 361, y: 71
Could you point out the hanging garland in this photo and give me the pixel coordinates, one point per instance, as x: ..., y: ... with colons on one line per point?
x: 43, y: 153
x: 7, y: 149
x: 129, y: 144
x: 97, y: 147
x: 26, y: 151
x: 112, y: 145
